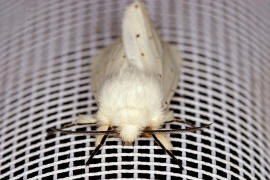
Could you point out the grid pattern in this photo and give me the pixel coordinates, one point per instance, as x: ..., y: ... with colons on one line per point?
x: 45, y: 52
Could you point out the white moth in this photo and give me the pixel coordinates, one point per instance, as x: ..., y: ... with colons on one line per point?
x: 134, y: 80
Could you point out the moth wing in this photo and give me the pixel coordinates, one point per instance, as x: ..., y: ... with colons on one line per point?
x: 145, y: 49
x: 171, y: 69
x: 109, y: 61
x: 141, y: 41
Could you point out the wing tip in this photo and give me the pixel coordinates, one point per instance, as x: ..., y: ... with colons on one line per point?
x: 134, y: 9
x: 136, y: 5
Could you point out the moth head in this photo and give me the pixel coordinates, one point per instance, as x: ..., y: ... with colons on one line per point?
x: 129, y: 122
x: 129, y: 133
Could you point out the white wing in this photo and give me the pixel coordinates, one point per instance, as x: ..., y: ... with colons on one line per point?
x: 145, y: 49
x: 142, y: 47
x: 109, y: 61
x: 171, y: 70
x: 142, y: 43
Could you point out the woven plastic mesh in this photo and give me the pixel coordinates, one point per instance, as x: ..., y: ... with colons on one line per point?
x: 45, y: 51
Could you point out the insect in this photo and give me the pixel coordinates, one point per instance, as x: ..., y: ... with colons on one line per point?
x: 133, y: 80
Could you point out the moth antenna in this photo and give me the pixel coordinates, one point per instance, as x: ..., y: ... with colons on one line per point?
x: 177, y: 130
x: 54, y: 130
x: 98, y: 147
x: 169, y: 152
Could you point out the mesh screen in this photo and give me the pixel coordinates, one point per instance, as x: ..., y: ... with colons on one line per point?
x: 45, y: 51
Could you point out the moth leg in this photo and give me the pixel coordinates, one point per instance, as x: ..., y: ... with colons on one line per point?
x: 102, y: 141
x: 99, y: 137
x: 82, y: 120
x: 169, y: 117
x: 180, y: 121
x: 164, y: 139
x: 157, y: 140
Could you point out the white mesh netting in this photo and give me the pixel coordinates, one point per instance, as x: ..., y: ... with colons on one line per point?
x: 45, y: 51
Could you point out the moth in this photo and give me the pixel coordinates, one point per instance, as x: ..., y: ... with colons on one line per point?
x: 133, y: 81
